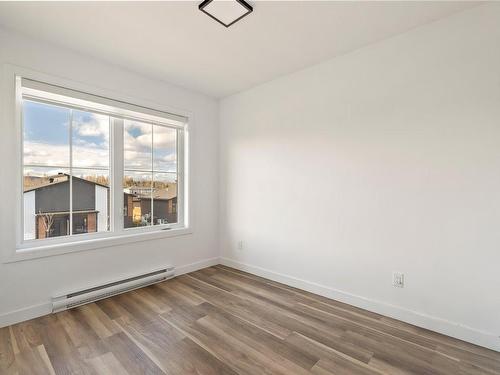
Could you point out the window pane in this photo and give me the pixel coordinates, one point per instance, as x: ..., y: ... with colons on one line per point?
x: 46, y: 134
x: 45, y: 202
x: 136, y: 199
x: 90, y: 135
x: 164, y: 198
x: 137, y: 145
x: 90, y: 201
x: 164, y: 149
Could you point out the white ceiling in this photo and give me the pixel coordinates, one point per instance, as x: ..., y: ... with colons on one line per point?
x: 177, y: 43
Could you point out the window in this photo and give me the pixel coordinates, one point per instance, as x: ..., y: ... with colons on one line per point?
x: 150, y: 174
x: 65, y: 171
x: 94, y: 167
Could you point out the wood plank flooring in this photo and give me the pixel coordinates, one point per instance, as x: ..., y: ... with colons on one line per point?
x: 223, y: 321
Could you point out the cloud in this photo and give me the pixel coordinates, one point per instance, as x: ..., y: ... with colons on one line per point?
x: 91, y: 146
x: 90, y: 130
x: 138, y: 142
x: 58, y: 155
x: 164, y: 137
x: 91, y: 125
x: 46, y: 154
x: 168, y: 158
x: 86, y: 157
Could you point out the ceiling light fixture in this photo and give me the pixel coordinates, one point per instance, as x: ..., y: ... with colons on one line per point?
x: 226, y: 12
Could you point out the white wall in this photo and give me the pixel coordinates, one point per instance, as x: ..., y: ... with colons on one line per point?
x: 29, y: 216
x: 385, y: 159
x: 26, y: 287
x: 101, y: 205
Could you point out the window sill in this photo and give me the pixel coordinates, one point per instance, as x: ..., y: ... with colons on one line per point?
x: 43, y: 251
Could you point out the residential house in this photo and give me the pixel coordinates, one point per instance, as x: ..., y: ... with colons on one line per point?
x: 47, y: 207
x: 137, y: 205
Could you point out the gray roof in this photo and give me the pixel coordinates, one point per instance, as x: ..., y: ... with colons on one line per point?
x: 60, y: 178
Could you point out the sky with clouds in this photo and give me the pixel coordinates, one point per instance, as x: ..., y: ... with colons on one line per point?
x: 46, y: 142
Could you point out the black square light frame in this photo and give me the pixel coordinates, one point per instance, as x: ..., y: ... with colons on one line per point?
x: 243, y: 3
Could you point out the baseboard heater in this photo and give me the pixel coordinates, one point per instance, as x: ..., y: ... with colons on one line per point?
x: 80, y: 297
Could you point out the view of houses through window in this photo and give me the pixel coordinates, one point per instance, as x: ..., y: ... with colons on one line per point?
x: 67, y: 173
x: 150, y: 174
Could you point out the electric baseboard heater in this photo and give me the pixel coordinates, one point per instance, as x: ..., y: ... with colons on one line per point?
x: 81, y: 297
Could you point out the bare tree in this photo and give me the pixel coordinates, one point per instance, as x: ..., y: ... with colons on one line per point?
x: 47, y: 221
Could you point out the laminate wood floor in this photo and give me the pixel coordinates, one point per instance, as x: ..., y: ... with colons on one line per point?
x: 223, y: 321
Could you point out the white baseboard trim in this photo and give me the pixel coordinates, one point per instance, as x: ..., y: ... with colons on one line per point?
x: 416, y: 318
x: 25, y: 313
x: 42, y: 309
x: 181, y: 270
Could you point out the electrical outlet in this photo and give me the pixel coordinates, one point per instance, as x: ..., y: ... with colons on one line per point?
x: 240, y: 245
x: 398, y: 279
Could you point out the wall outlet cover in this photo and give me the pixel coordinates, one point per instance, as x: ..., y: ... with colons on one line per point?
x: 398, y: 279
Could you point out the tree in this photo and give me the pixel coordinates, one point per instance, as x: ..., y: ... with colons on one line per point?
x: 47, y: 221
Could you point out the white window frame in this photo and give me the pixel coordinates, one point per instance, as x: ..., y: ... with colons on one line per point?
x: 120, y: 107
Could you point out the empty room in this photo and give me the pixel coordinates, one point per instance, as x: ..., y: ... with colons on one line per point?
x: 250, y: 187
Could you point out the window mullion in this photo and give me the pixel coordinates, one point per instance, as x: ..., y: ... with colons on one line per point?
x: 152, y: 171
x: 117, y: 173
x: 71, y: 172
x: 181, y: 178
